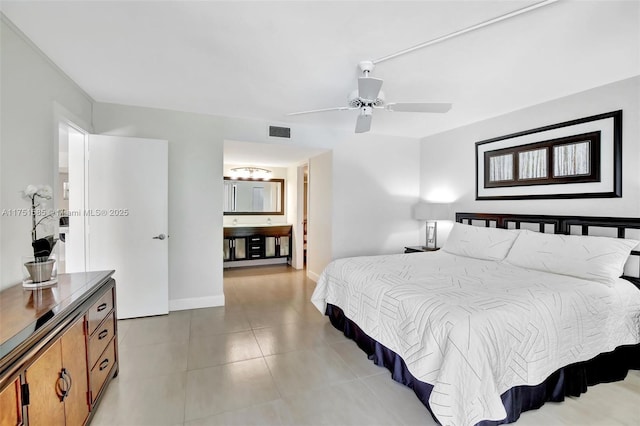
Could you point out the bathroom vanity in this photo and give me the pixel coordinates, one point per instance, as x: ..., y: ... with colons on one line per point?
x: 256, y: 245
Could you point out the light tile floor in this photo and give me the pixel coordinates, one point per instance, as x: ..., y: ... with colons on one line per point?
x: 270, y: 358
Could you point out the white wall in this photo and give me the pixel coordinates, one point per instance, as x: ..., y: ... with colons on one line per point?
x: 448, y: 159
x: 195, y: 195
x: 319, y: 215
x: 375, y: 185
x: 32, y: 90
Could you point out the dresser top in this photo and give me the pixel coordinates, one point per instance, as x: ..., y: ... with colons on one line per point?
x: 23, y: 312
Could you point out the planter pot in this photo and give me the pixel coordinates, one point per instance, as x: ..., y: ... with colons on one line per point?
x: 40, y: 272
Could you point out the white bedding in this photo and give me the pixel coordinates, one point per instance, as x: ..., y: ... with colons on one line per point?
x: 474, y: 328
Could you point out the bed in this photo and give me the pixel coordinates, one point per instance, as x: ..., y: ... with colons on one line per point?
x: 497, y: 322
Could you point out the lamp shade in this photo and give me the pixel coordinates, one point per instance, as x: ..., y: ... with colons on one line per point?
x: 432, y: 211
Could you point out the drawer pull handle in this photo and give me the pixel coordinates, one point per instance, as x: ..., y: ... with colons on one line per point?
x: 64, y: 384
x: 61, y: 391
x: 102, y: 307
x: 67, y: 378
x: 103, y: 334
x: 104, y: 364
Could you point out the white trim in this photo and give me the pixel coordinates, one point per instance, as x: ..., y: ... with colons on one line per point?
x: 62, y: 114
x: 196, y: 303
x: 313, y: 276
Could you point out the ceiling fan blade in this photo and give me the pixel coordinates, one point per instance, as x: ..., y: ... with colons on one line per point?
x: 363, y: 123
x: 419, y: 107
x: 320, y: 110
x: 369, y: 87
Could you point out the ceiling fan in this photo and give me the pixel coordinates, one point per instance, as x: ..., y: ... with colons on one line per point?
x: 368, y: 97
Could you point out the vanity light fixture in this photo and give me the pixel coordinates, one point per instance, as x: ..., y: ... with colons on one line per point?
x: 250, y: 173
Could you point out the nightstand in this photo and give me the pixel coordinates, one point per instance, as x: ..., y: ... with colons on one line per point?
x: 417, y: 249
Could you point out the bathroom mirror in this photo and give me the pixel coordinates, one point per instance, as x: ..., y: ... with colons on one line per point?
x: 253, y: 196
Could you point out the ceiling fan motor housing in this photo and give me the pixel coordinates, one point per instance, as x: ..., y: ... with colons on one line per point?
x: 354, y: 101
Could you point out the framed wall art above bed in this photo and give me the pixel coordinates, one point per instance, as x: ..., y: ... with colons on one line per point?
x: 575, y: 159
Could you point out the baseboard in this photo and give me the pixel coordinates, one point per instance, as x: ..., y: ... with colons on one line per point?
x: 255, y: 262
x: 313, y: 276
x: 196, y: 303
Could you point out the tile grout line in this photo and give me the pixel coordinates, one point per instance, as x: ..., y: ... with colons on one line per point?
x: 186, y: 374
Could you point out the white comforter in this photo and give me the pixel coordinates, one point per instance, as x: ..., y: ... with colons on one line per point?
x: 474, y: 328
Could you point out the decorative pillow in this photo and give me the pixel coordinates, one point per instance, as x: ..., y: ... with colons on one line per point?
x: 599, y: 259
x: 480, y: 242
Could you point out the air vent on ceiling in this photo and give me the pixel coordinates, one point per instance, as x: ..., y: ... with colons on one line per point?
x: 280, y: 132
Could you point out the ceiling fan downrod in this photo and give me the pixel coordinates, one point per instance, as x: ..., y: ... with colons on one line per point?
x: 366, y: 67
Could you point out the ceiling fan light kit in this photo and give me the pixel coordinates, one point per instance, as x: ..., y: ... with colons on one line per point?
x: 369, y: 96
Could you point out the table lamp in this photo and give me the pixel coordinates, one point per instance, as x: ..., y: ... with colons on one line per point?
x: 431, y: 212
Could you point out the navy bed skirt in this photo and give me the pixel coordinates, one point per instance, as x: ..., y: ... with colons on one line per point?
x: 571, y: 380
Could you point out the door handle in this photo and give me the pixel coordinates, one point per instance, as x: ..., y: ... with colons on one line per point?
x: 160, y: 237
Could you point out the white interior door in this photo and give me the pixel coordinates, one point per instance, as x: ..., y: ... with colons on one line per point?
x: 128, y: 220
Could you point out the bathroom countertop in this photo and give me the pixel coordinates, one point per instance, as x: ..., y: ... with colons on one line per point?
x: 257, y: 229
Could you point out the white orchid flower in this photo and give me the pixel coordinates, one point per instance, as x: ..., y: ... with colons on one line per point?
x: 45, y: 191
x: 30, y: 191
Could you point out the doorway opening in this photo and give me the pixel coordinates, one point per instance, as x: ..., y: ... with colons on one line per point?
x: 305, y: 209
x: 244, y: 227
x: 70, y: 197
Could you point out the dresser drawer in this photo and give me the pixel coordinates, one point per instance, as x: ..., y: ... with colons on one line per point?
x: 99, y: 310
x: 102, y: 368
x: 99, y: 340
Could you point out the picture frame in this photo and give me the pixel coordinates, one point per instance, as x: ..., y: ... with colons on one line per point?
x: 575, y: 159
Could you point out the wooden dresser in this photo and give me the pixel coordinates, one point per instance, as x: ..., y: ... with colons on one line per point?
x: 58, y: 350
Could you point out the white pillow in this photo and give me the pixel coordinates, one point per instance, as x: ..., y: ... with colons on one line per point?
x: 599, y: 259
x: 479, y: 242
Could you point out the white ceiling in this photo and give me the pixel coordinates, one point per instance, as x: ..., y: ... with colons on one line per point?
x: 263, y: 59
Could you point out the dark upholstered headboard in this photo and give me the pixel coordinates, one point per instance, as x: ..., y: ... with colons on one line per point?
x: 620, y: 227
